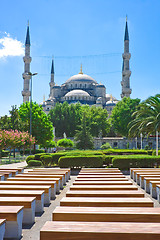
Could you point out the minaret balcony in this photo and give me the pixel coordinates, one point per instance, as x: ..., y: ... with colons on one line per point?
x: 126, y: 56
x: 26, y: 93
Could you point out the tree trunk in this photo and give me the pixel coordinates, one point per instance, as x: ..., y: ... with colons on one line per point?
x: 156, y: 143
x: 14, y: 152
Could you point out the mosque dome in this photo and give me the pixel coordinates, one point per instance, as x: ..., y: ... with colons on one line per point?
x: 81, y: 78
x: 110, y: 103
x: 77, y: 92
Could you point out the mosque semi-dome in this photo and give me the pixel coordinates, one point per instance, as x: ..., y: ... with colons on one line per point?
x: 77, y: 93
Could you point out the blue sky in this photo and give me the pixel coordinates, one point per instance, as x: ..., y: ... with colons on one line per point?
x: 90, y: 32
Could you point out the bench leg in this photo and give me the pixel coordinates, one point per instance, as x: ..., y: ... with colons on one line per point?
x: 2, y: 231
x: 141, y: 183
x: 40, y: 204
x: 47, y: 197
x: 153, y: 192
x: 53, y: 193
x: 147, y: 189
x: 29, y: 214
x: 14, y: 228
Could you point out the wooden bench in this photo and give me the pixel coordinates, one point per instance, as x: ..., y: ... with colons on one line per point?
x: 132, y: 170
x: 46, y: 189
x: 39, y: 195
x: 29, y: 204
x: 2, y: 178
x: 145, y: 171
x: 20, y: 170
x: 14, y: 218
x: 53, y: 171
x: 106, y: 202
x: 141, y: 178
x: 106, y: 214
x: 45, y: 175
x: 158, y: 192
x: 153, y: 191
x: 138, y: 176
x: 100, y: 179
x: 100, y: 176
x: 12, y: 172
x: 58, y: 179
x: 147, y: 183
x: 49, y: 173
x: 33, y: 183
x: 103, y: 183
x: 39, y: 180
x: 99, y: 231
x: 103, y: 187
x: 100, y: 173
x: 2, y: 228
x: 103, y: 194
x: 6, y: 174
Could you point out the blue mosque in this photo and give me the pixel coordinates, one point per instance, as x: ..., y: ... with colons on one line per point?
x: 81, y: 87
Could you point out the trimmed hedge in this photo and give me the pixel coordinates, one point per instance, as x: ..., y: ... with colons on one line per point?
x: 108, y: 159
x: 46, y: 159
x: 38, y: 155
x: 81, y: 161
x: 34, y: 163
x: 31, y: 157
x: 4, y: 153
x: 125, y: 162
x: 124, y: 151
x: 154, y: 152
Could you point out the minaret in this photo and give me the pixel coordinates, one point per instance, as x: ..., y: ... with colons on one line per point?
x: 52, y: 83
x: 126, y: 73
x: 27, y: 60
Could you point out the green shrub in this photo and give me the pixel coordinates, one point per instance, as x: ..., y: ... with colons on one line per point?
x: 154, y: 152
x: 106, y: 146
x: 135, y: 161
x: 56, y: 156
x: 108, y: 159
x: 38, y: 155
x: 4, y: 153
x: 66, y: 143
x: 80, y: 161
x: 46, y: 159
x: 31, y: 157
x: 34, y: 163
x: 83, y: 152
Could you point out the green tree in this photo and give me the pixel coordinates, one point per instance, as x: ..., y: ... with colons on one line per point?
x: 97, y: 120
x: 146, y: 118
x: 5, y: 123
x: 48, y: 144
x: 122, y: 115
x: 83, y: 138
x: 42, y: 128
x: 65, y: 143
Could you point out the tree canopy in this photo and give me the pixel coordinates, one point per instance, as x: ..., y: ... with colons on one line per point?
x: 67, y: 118
x: 122, y: 115
x: 42, y: 128
x: 83, y: 137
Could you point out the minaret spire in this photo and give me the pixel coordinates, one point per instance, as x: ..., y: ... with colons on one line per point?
x: 81, y: 69
x: 126, y: 73
x: 52, y: 83
x: 27, y: 60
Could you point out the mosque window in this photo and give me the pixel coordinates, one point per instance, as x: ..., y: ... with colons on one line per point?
x: 75, y: 85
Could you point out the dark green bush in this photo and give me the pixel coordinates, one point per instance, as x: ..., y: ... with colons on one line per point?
x: 56, y: 156
x: 46, y: 159
x: 108, y: 159
x: 125, y: 162
x: 31, y: 157
x: 34, y: 163
x: 80, y: 161
x: 38, y: 155
x: 4, y: 153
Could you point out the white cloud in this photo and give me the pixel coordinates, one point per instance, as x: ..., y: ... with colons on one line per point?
x: 10, y: 47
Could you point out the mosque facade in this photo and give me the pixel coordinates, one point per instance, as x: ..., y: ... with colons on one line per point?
x: 81, y: 87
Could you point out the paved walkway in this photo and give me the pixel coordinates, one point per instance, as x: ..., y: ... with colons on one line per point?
x: 14, y: 165
x: 33, y: 233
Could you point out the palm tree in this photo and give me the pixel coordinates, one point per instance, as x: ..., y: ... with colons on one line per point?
x: 147, y: 119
